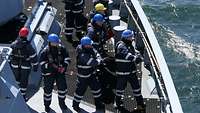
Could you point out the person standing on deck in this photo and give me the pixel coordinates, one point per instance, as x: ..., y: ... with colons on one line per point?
x: 126, y: 60
x: 23, y: 58
x: 74, y: 18
x: 97, y: 31
x: 87, y: 61
x: 54, y: 61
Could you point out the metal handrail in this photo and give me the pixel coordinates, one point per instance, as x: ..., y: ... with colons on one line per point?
x: 159, y: 80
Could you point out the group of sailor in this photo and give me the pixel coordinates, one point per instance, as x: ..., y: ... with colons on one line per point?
x: 95, y: 67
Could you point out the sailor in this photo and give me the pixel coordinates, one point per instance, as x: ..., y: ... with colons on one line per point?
x: 23, y: 58
x: 97, y: 30
x: 126, y: 60
x: 54, y: 61
x: 87, y: 61
x: 74, y: 18
x: 100, y: 9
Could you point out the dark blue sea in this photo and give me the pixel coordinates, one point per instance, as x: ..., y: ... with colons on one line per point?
x: 176, y: 24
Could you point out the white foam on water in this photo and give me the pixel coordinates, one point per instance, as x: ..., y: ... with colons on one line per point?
x: 182, y: 46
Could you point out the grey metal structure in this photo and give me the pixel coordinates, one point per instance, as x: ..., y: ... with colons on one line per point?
x: 14, y: 6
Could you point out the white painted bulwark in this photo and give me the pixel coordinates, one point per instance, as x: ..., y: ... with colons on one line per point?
x: 171, y: 91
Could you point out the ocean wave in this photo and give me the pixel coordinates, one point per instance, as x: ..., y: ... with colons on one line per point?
x: 190, y: 50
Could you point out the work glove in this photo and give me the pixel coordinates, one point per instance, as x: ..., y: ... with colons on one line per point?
x: 61, y: 70
x: 138, y: 59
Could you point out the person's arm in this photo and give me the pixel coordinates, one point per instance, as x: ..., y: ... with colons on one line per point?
x: 33, y: 58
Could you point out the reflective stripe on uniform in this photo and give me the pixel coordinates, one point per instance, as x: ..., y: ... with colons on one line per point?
x: 120, y: 91
x: 119, y: 94
x: 67, y: 10
x: 79, y: 27
x: 79, y: 11
x: 14, y: 66
x: 68, y: 33
x: 34, y: 63
x: 76, y: 95
x: 84, y: 67
x: 43, y: 62
x: 32, y: 56
x: 137, y: 90
x: 61, y: 96
x: 63, y: 92
x: 48, y: 95
x: 47, y: 99
x: 121, y: 60
x: 83, y: 76
x: 123, y: 73
x: 137, y: 95
x: 46, y: 74
x: 69, y: 28
x: 89, y: 61
x: 127, y: 56
x: 96, y: 91
x: 25, y: 67
x: 97, y: 96
x: 80, y: 3
x: 77, y: 100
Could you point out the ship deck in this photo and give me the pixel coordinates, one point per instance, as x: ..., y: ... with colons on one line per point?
x: 35, y: 103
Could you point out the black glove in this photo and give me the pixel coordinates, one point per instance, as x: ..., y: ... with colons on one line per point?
x: 138, y: 59
x: 35, y: 68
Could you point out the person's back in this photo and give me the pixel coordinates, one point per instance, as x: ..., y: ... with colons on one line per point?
x: 22, y: 59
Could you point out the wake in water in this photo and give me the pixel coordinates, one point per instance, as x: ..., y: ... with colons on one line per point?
x: 177, y: 25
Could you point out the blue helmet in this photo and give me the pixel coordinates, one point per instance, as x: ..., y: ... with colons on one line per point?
x: 127, y: 34
x: 86, y: 41
x: 53, y: 38
x: 98, y: 18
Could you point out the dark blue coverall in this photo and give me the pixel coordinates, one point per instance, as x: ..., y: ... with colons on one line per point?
x: 126, y: 72
x: 23, y: 58
x: 74, y: 17
x: 51, y: 60
x: 87, y: 63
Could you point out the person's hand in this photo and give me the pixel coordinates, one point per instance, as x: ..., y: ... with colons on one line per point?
x: 138, y: 59
x: 61, y: 70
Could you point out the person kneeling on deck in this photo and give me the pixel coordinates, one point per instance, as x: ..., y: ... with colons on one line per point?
x: 23, y: 57
x: 126, y: 60
x: 87, y: 61
x: 54, y: 61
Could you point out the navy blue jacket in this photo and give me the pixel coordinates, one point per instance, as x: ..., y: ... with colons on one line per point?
x: 23, y: 55
x: 125, y: 59
x: 59, y: 58
x: 87, y: 62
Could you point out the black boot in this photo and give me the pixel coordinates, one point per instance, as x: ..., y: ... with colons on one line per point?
x: 76, y: 106
x: 62, y: 104
x: 119, y: 102
x: 99, y: 105
x: 47, y: 109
